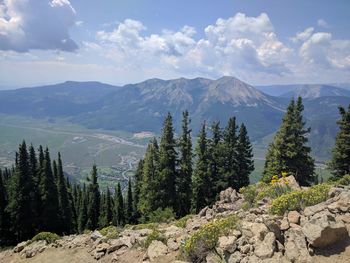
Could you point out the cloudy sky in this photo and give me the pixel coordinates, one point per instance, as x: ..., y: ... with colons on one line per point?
x: 126, y: 41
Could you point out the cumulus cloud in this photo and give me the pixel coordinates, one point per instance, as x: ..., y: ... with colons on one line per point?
x: 322, y: 23
x: 230, y: 46
x: 304, y: 35
x: 36, y: 24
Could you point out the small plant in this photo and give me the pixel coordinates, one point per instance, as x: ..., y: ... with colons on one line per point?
x: 298, y: 200
x: 111, y: 232
x: 47, y: 236
x: 155, y: 235
x: 205, y: 239
x: 182, y: 221
x: 345, y: 180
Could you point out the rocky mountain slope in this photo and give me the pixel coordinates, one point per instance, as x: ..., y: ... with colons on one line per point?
x: 319, y: 233
x: 313, y: 91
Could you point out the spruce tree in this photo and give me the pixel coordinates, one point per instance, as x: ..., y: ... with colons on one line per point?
x: 65, y: 211
x: 289, y: 152
x: 3, y: 215
x: 167, y: 165
x: 150, y: 184
x: 119, y: 206
x: 49, y: 196
x: 130, y: 204
x: 94, y: 201
x: 72, y: 208
x: 137, y: 188
x: 183, y: 180
x: 245, y: 163
x: 340, y: 163
x: 83, y: 210
x: 20, y: 206
x: 201, y: 188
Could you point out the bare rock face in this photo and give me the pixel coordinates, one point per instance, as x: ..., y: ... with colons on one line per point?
x: 295, y: 246
x: 323, y: 230
x: 156, y: 249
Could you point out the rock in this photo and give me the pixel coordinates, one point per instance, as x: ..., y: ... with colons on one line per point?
x: 213, y: 258
x: 225, y: 196
x: 95, y: 235
x: 115, y: 245
x: 295, y: 246
x: 266, y: 248
x: 195, y: 223
x: 323, y: 230
x: 172, y: 244
x: 20, y: 246
x: 292, y: 183
x: 311, y: 210
x: 294, y: 217
x: 102, y: 247
x: 203, y: 211
x: 98, y: 255
x: 251, y: 259
x: 274, y: 227
x: 284, y: 224
x: 227, y: 243
x: 236, y: 257
x: 236, y: 233
x: 242, y: 241
x: 33, y: 249
x: 234, y: 196
x: 156, y: 249
x: 344, y: 218
x: 172, y: 231
x: 334, y: 191
x: 246, y: 249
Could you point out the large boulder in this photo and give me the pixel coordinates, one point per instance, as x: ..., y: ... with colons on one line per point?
x: 267, y: 247
x: 156, y: 249
x: 227, y: 243
x: 295, y: 246
x: 323, y: 230
x: 33, y: 249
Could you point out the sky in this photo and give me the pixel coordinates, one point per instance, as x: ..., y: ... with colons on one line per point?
x: 261, y: 42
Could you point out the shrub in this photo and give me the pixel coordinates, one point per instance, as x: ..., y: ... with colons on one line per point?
x: 110, y: 232
x: 205, y: 239
x: 182, y: 221
x: 345, y: 180
x: 47, y: 236
x: 162, y: 215
x: 155, y: 235
x: 298, y: 200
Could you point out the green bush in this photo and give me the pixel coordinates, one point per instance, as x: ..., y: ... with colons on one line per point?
x: 155, y: 235
x: 298, y: 200
x: 111, y: 232
x: 161, y: 215
x: 345, y: 180
x: 182, y: 221
x: 47, y: 236
x: 205, y: 239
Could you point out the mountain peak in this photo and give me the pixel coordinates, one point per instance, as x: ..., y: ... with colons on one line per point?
x: 312, y: 91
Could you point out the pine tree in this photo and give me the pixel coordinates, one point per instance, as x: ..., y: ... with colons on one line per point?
x: 94, y: 201
x: 72, y: 208
x: 183, y: 180
x: 229, y: 167
x: 150, y: 186
x: 340, y: 163
x: 49, y: 196
x: 167, y: 165
x: 119, y: 206
x: 245, y: 163
x: 83, y: 210
x: 201, y: 190
x: 20, y: 198
x: 65, y: 211
x: 130, y: 204
x: 288, y: 152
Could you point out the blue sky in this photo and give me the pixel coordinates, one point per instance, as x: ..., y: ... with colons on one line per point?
x: 119, y: 42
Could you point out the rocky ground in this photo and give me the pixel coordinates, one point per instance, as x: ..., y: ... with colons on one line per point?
x: 319, y: 233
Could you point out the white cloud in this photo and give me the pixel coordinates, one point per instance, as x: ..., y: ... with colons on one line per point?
x: 36, y: 24
x: 322, y: 23
x: 304, y: 35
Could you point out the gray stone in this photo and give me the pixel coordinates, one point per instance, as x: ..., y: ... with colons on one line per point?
x: 266, y: 248
x: 295, y: 246
x: 227, y: 243
x: 294, y: 217
x: 156, y: 249
x: 236, y: 257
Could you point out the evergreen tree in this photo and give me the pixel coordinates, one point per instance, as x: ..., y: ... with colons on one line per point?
x: 340, y: 163
x: 3, y: 215
x: 94, y: 201
x: 183, y: 180
x: 72, y: 208
x: 137, y: 189
x: 65, y: 211
x: 288, y: 152
x: 48, y: 189
x: 150, y: 186
x: 200, y: 180
x: 216, y: 160
x: 83, y: 210
x: 119, y: 206
x: 245, y: 163
x: 167, y: 165
x: 229, y: 166
x: 20, y: 199
x: 130, y: 204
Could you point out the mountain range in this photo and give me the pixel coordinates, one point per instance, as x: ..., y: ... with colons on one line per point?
x: 142, y: 106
